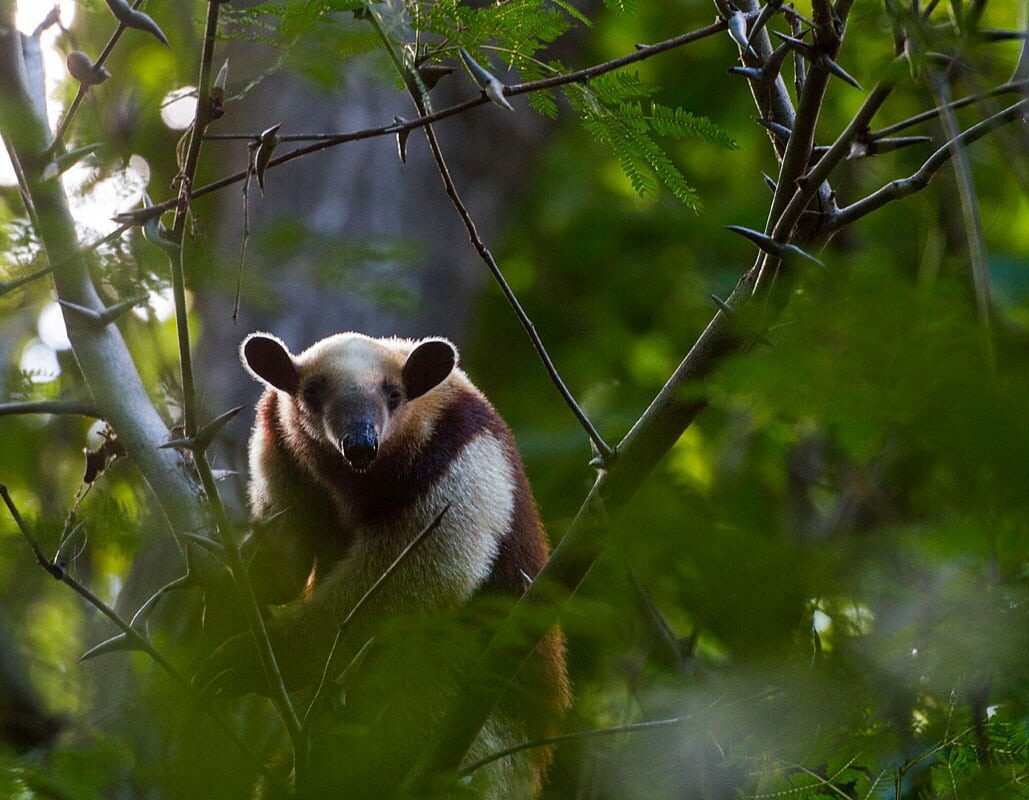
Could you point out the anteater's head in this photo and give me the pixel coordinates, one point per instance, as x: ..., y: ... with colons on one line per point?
x: 349, y: 390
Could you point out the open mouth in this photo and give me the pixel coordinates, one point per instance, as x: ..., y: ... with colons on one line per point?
x: 359, y: 458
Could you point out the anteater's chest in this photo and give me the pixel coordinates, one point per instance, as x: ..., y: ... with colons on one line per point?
x: 475, y: 493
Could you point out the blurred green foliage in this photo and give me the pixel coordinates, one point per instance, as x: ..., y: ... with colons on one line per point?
x: 838, y: 546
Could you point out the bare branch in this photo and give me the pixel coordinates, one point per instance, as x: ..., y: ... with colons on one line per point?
x: 185, y: 178
x: 595, y: 733
x: 902, y: 187
x: 177, y: 257
x: 1014, y: 86
x: 79, y: 408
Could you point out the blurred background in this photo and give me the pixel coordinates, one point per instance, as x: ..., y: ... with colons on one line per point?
x: 826, y: 579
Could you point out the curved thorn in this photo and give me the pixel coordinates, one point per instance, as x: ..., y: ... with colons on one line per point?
x: 91, y: 314
x: 777, y: 128
x: 769, y: 10
x: 488, y: 82
x: 66, y: 161
x: 402, y: 136
x: 203, y: 437
x: 769, y: 245
x: 840, y: 72
x: 155, y: 233
x: 723, y: 306
x: 750, y: 73
x: 151, y: 601
x: 120, y: 642
x: 874, y: 147
x: 131, y: 18
x: 112, y: 313
x: 208, y: 432
x: 431, y: 74
x: 798, y: 46
x: 736, y: 24
x: 774, y: 63
x: 763, y: 241
x: 209, y: 545
x: 792, y: 249
x: 268, y: 142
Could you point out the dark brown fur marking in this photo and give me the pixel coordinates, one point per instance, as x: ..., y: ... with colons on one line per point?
x: 398, y: 478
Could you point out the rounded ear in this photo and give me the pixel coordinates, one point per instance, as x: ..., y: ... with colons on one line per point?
x: 428, y: 366
x: 268, y: 360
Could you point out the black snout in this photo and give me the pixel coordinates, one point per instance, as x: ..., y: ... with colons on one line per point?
x: 360, y: 444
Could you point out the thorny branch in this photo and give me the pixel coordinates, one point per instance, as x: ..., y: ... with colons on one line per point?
x: 102, y: 355
x: 902, y: 187
x: 323, y: 141
x: 185, y: 178
x: 486, y: 255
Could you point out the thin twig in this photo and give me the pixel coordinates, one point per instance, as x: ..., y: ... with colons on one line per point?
x: 324, y: 141
x: 932, y: 113
x: 245, y: 238
x: 6, y: 287
x: 186, y: 176
x: 902, y: 187
x: 485, y: 254
x: 80, y: 408
x: 595, y: 733
x: 139, y: 641
x: 80, y: 95
x: 368, y: 595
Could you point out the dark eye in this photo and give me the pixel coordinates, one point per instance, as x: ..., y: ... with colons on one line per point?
x: 313, y: 391
x: 393, y: 396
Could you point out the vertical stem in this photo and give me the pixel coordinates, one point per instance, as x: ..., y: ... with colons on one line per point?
x: 251, y: 609
x: 186, y: 176
x: 969, y: 209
